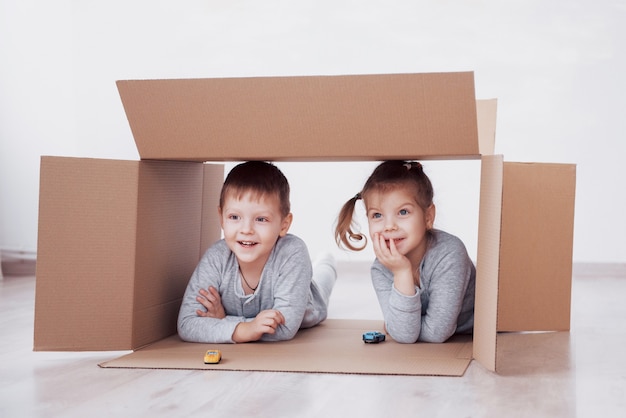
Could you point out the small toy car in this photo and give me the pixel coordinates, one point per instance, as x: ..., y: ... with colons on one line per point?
x: 373, y: 337
x: 212, y: 356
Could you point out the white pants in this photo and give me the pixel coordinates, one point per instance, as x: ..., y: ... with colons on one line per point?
x: 324, y: 278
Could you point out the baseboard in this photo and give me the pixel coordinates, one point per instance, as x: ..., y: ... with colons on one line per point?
x: 19, y: 268
x: 599, y: 269
x: 12, y: 265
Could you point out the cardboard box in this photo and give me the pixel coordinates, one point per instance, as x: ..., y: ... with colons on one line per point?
x: 118, y: 240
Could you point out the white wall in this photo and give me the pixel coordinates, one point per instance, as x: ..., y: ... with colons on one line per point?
x: 556, y: 68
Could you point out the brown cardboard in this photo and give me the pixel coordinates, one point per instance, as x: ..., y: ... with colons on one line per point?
x: 335, y: 346
x: 486, y: 112
x: 128, y: 234
x: 488, y: 262
x: 118, y: 241
x: 535, y: 265
x: 316, y: 118
x: 525, y: 239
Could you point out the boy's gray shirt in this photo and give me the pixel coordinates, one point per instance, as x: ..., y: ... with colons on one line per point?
x: 285, y: 285
x: 443, y: 304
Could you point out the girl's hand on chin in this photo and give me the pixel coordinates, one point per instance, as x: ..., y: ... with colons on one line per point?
x: 389, y: 255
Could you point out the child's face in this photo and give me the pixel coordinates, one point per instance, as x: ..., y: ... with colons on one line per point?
x: 396, y: 216
x: 252, y: 225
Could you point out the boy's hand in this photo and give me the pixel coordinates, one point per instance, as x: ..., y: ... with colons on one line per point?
x: 212, y: 301
x: 265, y: 322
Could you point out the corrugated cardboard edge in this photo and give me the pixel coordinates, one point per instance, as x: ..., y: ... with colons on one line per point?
x: 486, y: 112
x: 488, y: 263
x: 211, y: 230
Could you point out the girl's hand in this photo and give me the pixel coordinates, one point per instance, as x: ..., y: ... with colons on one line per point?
x: 265, y: 322
x: 389, y: 256
x: 397, y: 263
x: 212, y: 301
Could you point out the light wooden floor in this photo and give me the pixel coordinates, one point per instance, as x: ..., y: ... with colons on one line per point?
x: 581, y: 373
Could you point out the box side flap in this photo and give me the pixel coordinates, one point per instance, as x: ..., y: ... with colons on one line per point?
x: 537, y: 245
x: 486, y: 111
x: 168, y: 240
x: 487, y: 265
x: 357, y: 117
x: 211, y: 230
x: 85, y: 254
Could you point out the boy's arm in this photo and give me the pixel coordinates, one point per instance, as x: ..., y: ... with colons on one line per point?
x: 194, y: 328
x: 266, y: 322
x: 291, y: 288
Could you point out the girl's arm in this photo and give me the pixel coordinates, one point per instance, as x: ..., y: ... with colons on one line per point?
x: 445, y: 279
x: 402, y: 313
x: 446, y: 292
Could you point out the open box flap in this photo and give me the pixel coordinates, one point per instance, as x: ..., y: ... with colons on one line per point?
x: 121, y: 238
x: 488, y: 263
x: 305, y: 118
x: 536, y: 246
x: 486, y: 112
x: 525, y: 243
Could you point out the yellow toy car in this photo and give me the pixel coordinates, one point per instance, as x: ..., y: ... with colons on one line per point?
x: 212, y: 356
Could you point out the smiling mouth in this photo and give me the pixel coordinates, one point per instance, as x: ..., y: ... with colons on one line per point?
x: 395, y: 240
x: 247, y: 243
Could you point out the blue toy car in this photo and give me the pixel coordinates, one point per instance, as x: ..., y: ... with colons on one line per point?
x: 373, y: 337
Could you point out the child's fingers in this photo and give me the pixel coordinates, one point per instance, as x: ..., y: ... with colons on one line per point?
x: 392, y: 248
x: 215, y: 295
x: 379, y: 245
x: 280, y: 318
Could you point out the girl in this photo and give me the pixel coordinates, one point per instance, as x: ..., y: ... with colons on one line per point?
x: 423, y: 277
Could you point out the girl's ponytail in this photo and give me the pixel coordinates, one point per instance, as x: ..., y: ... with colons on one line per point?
x: 344, y: 234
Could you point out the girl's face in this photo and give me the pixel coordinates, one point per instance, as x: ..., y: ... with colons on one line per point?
x: 396, y: 216
x: 251, y: 227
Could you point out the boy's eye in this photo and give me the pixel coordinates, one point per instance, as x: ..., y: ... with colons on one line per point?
x: 262, y: 219
x: 233, y: 217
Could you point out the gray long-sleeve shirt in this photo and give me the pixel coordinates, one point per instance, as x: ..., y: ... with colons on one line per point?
x: 444, y: 302
x: 285, y: 285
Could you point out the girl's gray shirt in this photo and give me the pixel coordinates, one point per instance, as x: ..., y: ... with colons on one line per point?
x: 444, y: 302
x: 285, y: 285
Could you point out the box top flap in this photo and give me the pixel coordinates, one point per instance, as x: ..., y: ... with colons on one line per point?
x: 304, y: 118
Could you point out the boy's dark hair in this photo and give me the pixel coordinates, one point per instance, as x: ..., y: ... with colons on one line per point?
x: 387, y: 176
x: 262, y: 179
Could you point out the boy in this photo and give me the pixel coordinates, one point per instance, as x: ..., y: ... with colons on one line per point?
x: 256, y: 283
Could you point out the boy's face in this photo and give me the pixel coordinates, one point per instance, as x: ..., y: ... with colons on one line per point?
x: 252, y: 225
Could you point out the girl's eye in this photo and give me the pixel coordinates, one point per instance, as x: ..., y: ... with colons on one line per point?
x: 233, y: 217
x: 403, y: 212
x: 376, y: 216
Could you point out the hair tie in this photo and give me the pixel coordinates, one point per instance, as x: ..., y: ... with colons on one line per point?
x: 357, y: 196
x: 412, y: 164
